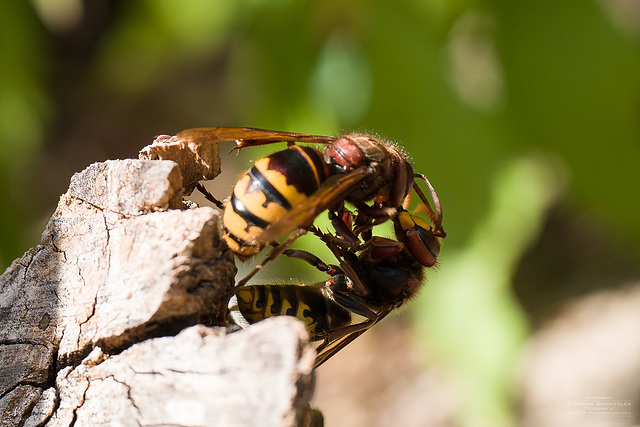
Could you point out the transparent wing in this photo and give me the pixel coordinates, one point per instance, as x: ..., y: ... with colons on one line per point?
x: 336, y: 345
x: 248, y: 137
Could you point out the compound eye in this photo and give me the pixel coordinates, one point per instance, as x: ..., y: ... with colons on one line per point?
x: 402, y: 183
x: 418, y: 237
x: 345, y: 153
x: 409, y: 179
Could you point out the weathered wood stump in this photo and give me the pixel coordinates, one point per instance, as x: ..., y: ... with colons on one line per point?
x: 119, y: 316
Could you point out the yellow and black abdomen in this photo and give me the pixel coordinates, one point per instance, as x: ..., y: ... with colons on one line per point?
x: 272, y: 187
x: 319, y: 314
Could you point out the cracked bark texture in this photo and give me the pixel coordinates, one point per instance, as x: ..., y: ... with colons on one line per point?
x: 97, y: 320
x: 198, y: 161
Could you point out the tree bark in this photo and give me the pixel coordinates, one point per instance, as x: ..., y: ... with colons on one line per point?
x: 119, y: 316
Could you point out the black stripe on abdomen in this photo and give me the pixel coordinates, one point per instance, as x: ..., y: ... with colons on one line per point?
x: 241, y: 210
x: 271, y: 193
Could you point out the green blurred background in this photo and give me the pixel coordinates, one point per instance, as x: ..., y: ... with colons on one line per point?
x: 524, y: 115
